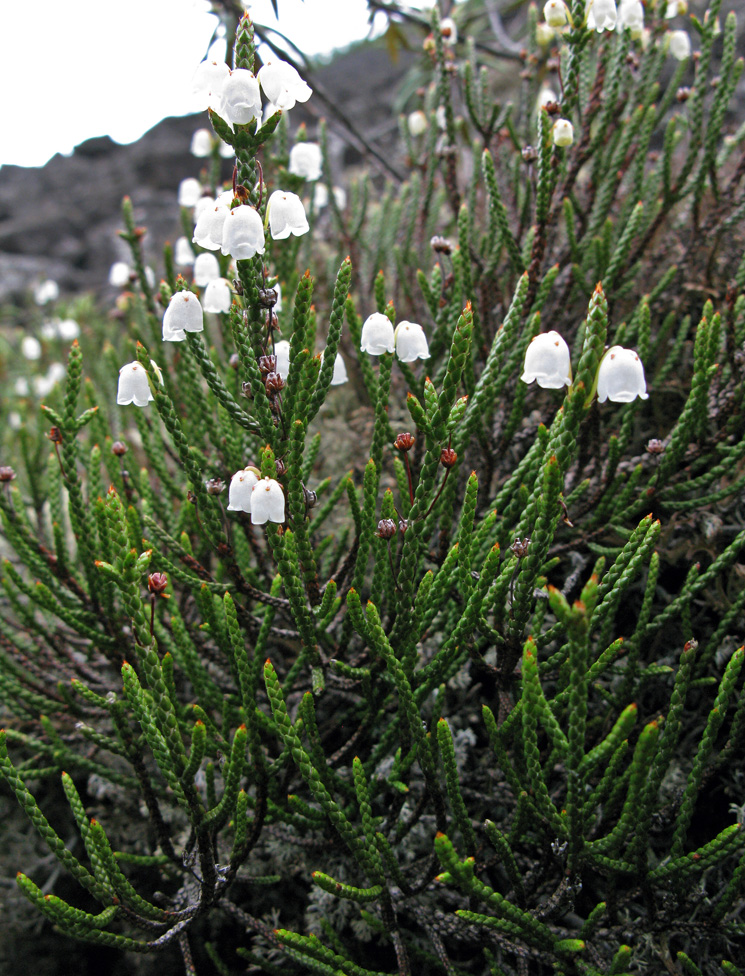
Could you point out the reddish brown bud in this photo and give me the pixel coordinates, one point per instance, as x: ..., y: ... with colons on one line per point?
x: 280, y: 467
x: 267, y: 297
x: 156, y: 583
x: 404, y: 442
x: 234, y: 361
x: 520, y: 547
x: 448, y: 457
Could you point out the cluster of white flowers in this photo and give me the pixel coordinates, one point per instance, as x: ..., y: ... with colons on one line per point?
x: 261, y: 498
x: 407, y: 340
x: 620, y: 376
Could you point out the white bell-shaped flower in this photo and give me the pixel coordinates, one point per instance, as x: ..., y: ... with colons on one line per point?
x: 48, y: 329
x: 339, y: 375
x: 267, y: 502
x: 46, y: 291
x: 449, y: 31
x: 286, y: 215
x: 377, y: 335
x: 321, y: 196
x: 217, y: 296
x: 133, y: 385
x: 189, y: 191
x: 547, y: 360
x: 544, y: 34
x: 56, y: 373
x: 226, y: 150
x: 207, y: 83
x: 119, y: 273
x: 621, y: 376
x: 417, y: 123
x: 563, y: 133
x: 282, y: 357
x: 631, y: 16
x: 305, y: 160
x: 208, y: 231
x: 680, y: 45
x: 555, y: 13
x: 201, y: 143
x: 184, y: 314
x: 241, y: 98
x: 676, y: 8
x: 243, y: 233
x: 182, y: 253
x: 67, y: 330
x: 206, y: 268
x: 601, y: 15
x: 30, y: 348
x: 241, y: 485
x: 410, y: 342
x: 282, y: 85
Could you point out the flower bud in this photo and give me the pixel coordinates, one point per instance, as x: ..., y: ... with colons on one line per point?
x: 448, y: 457
x: 215, y: 486
x: 441, y: 245
x: 274, y: 384
x: 655, y: 446
x: 267, y: 364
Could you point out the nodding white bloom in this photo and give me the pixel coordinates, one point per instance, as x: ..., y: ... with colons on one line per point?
x: 207, y: 82
x: 184, y: 314
x: 441, y: 117
x: 563, y: 132
x: 119, y: 273
x: 601, y: 15
x: 209, y: 227
x: 217, y: 296
x: 30, y: 348
x: 339, y: 375
x: 282, y: 358
x: 680, y: 45
x: 555, y: 13
x: 676, y: 8
x: 226, y: 150
x: 305, y: 160
x: 243, y: 233
x: 240, y: 102
x: 286, y: 215
x: 449, y: 31
x: 621, y: 376
x: 410, y: 342
x: 46, y: 291
x: 282, y: 84
x: 20, y: 387
x: 206, y: 268
x: 270, y: 109
x: 377, y: 335
x: 201, y: 143
x: 56, y: 373
x: 547, y: 360
x: 49, y: 328
x: 67, y: 330
x: 417, y: 122
x: 241, y: 485
x: 183, y: 254
x: 133, y: 385
x: 631, y: 16
x: 203, y: 204
x: 544, y: 34
x: 189, y: 191
x: 267, y: 502
x: 321, y: 196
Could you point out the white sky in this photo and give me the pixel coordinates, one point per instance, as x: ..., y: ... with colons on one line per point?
x: 86, y: 68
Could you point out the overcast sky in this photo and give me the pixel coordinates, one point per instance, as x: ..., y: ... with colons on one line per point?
x: 88, y: 68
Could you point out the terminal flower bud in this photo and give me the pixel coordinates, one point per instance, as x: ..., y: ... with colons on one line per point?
x: 286, y: 215
x: 547, y: 361
x: 377, y: 335
x: 267, y: 502
x: 448, y: 457
x: 411, y: 342
x: 157, y: 583
x: 386, y: 529
x: 241, y: 485
x: 621, y: 376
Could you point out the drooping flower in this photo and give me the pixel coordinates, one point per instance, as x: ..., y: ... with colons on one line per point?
x: 563, y: 132
x: 680, y: 45
x: 339, y: 375
x: 207, y: 83
x: 377, y: 335
x: 241, y: 485
x: 240, y: 101
x: 547, y: 360
x: 119, y: 273
x: 545, y: 97
x: 449, y: 31
x: 206, y: 268
x: 555, y: 13
x: 305, y: 160
x: 676, y: 8
x: 410, y: 342
x: 182, y: 253
x: 631, y: 16
x: 282, y: 357
x: 601, y: 15
x: 267, y: 502
x: 67, y: 330
x: 282, y: 84
x: 209, y: 227
x: 286, y: 215
x: 321, y: 196
x: 46, y: 291
x: 201, y: 143
x: 217, y: 296
x: 30, y: 347
x: 243, y: 233
x: 189, y: 191
x: 133, y: 385
x: 621, y: 376
x: 417, y: 122
x: 184, y: 314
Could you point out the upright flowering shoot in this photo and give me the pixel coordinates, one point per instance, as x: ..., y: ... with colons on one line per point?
x: 547, y: 361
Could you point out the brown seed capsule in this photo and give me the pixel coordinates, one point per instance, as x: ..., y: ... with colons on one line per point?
x: 237, y: 286
x: 267, y: 364
x: 7, y: 473
x: 404, y: 442
x: 274, y: 322
x: 280, y: 467
x: 403, y: 525
x: 55, y: 435
x: 215, y: 486
x: 267, y: 297
x: 683, y: 94
x: 156, y: 583
x: 655, y: 446
x: 191, y: 497
x: 274, y: 384
x: 440, y: 245
x: 241, y: 192
x: 246, y: 391
x: 520, y: 547
x: 234, y: 361
x: 119, y: 448
x: 529, y: 154
x: 448, y: 457
x: 311, y: 498
x: 386, y: 529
